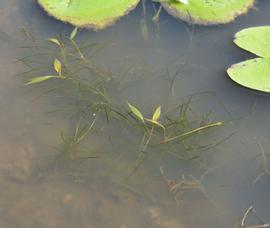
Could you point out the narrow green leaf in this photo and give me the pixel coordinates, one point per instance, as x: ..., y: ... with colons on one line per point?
x: 55, y: 41
x: 136, y: 112
x: 73, y: 33
x: 155, y: 123
x: 40, y: 79
x: 156, y: 114
x: 196, y: 130
x: 57, y: 66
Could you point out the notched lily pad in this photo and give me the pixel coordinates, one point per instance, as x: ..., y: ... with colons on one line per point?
x: 253, y: 74
x: 207, y: 12
x: 96, y: 14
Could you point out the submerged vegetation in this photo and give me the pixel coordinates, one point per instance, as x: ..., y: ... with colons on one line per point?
x: 99, y: 14
x: 85, y: 91
x: 127, y: 135
x: 250, y: 212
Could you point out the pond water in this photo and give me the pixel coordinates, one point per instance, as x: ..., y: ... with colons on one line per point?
x: 114, y: 177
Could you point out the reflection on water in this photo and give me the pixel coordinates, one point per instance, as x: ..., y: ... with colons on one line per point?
x: 206, y: 181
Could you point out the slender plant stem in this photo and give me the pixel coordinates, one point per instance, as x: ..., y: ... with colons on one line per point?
x: 216, y: 124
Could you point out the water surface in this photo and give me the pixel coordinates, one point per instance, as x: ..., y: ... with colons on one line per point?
x: 41, y: 189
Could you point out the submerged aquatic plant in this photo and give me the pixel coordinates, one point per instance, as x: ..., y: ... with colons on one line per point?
x: 85, y: 91
x: 250, y: 212
x: 253, y: 73
x: 186, y: 185
x: 39, y: 79
x: 98, y: 14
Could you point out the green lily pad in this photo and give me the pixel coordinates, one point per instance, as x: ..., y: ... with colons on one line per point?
x: 255, y: 40
x: 253, y: 74
x: 96, y: 14
x: 207, y: 12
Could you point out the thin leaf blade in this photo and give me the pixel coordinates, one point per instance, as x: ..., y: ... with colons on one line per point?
x: 155, y: 123
x: 157, y: 114
x: 40, y: 79
x: 73, y: 33
x: 57, y: 66
x: 55, y: 41
x: 136, y: 112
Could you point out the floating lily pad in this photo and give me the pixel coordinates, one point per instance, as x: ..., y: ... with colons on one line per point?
x: 253, y: 73
x: 255, y: 40
x: 207, y: 12
x: 95, y: 14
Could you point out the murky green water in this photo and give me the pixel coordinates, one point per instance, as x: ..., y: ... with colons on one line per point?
x: 221, y: 172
